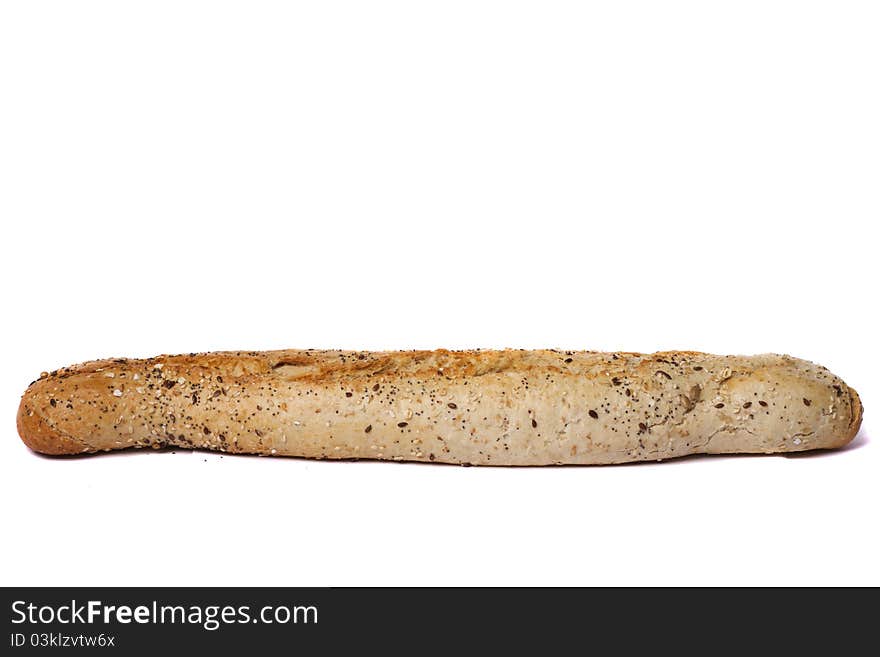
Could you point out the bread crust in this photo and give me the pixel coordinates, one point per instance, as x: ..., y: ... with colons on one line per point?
x: 504, y: 407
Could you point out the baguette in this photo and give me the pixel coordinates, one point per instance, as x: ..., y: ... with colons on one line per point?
x: 508, y: 407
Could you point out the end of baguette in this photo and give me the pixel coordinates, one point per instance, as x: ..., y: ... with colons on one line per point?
x: 39, y: 434
x: 856, y: 411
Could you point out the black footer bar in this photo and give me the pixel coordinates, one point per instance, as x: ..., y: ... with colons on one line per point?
x: 281, y: 620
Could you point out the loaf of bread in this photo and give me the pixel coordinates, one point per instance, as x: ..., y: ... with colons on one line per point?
x: 509, y: 407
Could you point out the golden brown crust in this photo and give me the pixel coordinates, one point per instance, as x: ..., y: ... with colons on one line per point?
x: 510, y: 407
x: 41, y: 437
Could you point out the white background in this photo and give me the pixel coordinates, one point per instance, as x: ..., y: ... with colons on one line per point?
x: 190, y: 176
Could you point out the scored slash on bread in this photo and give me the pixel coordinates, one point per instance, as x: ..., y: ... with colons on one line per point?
x: 503, y: 407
